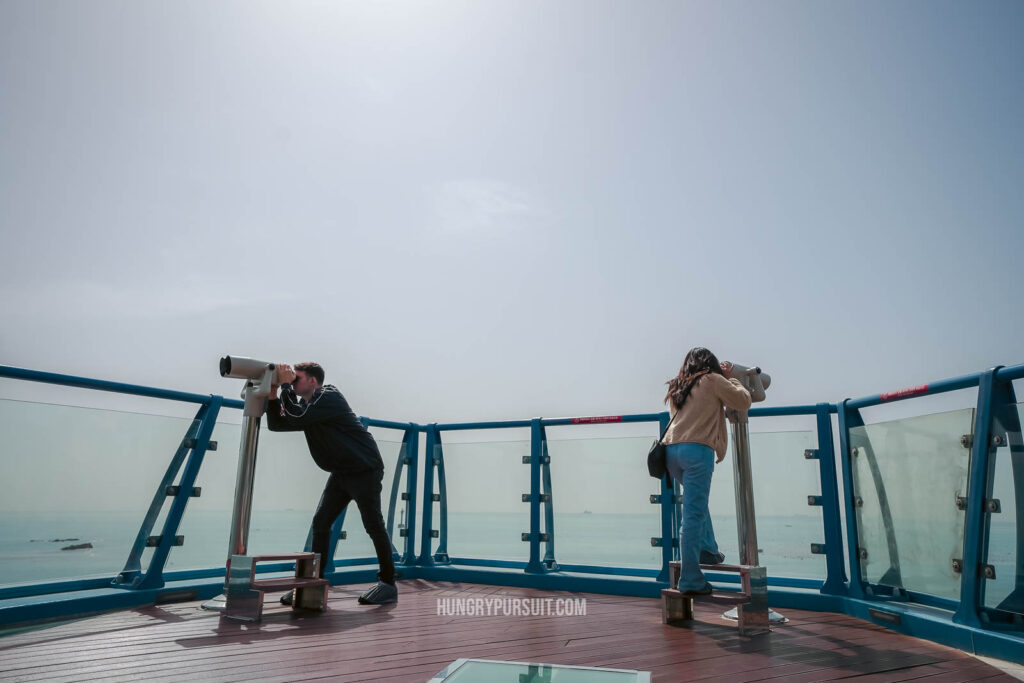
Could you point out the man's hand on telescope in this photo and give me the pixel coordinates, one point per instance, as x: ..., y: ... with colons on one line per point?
x: 285, y: 374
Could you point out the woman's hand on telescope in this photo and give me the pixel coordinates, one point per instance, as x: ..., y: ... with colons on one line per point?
x: 726, y: 372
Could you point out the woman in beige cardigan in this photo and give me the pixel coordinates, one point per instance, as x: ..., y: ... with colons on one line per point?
x: 696, y: 439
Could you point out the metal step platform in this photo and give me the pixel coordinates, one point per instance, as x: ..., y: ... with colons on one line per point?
x: 244, y: 599
x: 751, y: 604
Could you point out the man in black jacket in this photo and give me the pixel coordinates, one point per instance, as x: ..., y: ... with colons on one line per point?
x: 341, y: 445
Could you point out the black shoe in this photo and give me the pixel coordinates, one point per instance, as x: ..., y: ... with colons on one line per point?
x: 379, y: 594
x: 711, y: 558
x: 708, y: 589
x: 286, y: 599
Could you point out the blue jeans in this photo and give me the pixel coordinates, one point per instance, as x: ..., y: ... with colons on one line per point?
x: 691, y: 464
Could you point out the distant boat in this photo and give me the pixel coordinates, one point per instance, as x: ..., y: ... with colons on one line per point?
x: 587, y: 512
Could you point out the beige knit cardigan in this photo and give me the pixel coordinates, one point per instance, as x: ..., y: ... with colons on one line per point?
x: 702, y: 417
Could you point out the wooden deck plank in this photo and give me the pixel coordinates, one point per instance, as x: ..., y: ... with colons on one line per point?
x: 309, y: 634
x: 221, y: 637
x: 313, y: 639
x: 411, y: 642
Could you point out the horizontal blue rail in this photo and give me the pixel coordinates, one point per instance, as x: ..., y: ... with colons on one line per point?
x: 104, y: 385
x: 388, y: 424
x: 506, y: 424
x: 940, y: 387
x: 788, y: 411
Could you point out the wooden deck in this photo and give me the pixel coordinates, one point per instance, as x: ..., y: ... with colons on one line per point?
x: 409, y: 641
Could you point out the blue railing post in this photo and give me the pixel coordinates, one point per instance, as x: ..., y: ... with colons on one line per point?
x: 1011, y: 423
x: 835, y: 581
x: 426, y: 544
x: 669, y: 530
x: 442, y: 500
x: 848, y: 419
x: 550, y: 564
x: 400, y: 463
x: 1009, y: 419
x: 412, y: 458
x: 992, y: 395
x: 534, y: 566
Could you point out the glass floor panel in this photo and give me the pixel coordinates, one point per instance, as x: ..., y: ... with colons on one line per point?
x: 491, y: 671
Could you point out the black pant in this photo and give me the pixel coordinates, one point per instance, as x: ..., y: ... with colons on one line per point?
x: 364, y: 488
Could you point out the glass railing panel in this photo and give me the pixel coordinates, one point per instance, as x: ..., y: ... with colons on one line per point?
x: 601, y: 499
x: 786, y: 525
x: 286, y: 490
x: 1006, y: 591
x: 486, y: 516
x: 722, y: 505
x: 907, y: 475
x: 207, y: 521
x: 77, y: 477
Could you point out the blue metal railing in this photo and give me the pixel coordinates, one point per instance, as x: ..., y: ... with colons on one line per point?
x: 843, y: 587
x: 106, y: 385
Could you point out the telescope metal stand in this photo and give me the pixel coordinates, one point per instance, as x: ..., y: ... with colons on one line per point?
x: 746, y: 523
x: 242, y: 598
x: 244, y: 480
x: 751, y: 603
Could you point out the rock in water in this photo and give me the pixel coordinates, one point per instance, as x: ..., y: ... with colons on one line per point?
x: 77, y: 546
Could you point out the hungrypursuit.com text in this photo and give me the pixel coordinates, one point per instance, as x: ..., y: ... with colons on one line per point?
x: 512, y: 607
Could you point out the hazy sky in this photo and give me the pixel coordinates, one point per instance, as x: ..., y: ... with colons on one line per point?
x: 473, y: 210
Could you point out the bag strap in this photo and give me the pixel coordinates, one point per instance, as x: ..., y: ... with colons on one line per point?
x: 702, y: 372
x: 665, y: 431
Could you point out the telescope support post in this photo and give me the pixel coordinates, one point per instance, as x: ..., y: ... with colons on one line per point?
x: 244, y: 480
x: 746, y: 520
x: 255, y: 396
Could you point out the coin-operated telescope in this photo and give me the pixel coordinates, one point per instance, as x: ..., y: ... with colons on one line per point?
x: 259, y: 375
x: 755, y: 382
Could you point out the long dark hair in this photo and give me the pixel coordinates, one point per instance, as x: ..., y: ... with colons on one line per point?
x: 698, y: 362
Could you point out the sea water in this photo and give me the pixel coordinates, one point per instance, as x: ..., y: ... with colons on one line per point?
x: 32, y: 544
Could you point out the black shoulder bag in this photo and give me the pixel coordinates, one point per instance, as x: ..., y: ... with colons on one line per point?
x: 656, y: 456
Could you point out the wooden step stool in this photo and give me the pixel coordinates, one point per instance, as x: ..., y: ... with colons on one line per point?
x: 751, y: 604
x: 245, y: 591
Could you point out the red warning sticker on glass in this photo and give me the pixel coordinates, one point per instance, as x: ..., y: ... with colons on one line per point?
x: 903, y: 393
x: 596, y: 420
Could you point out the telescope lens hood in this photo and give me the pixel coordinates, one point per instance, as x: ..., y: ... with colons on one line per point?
x: 241, y: 367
